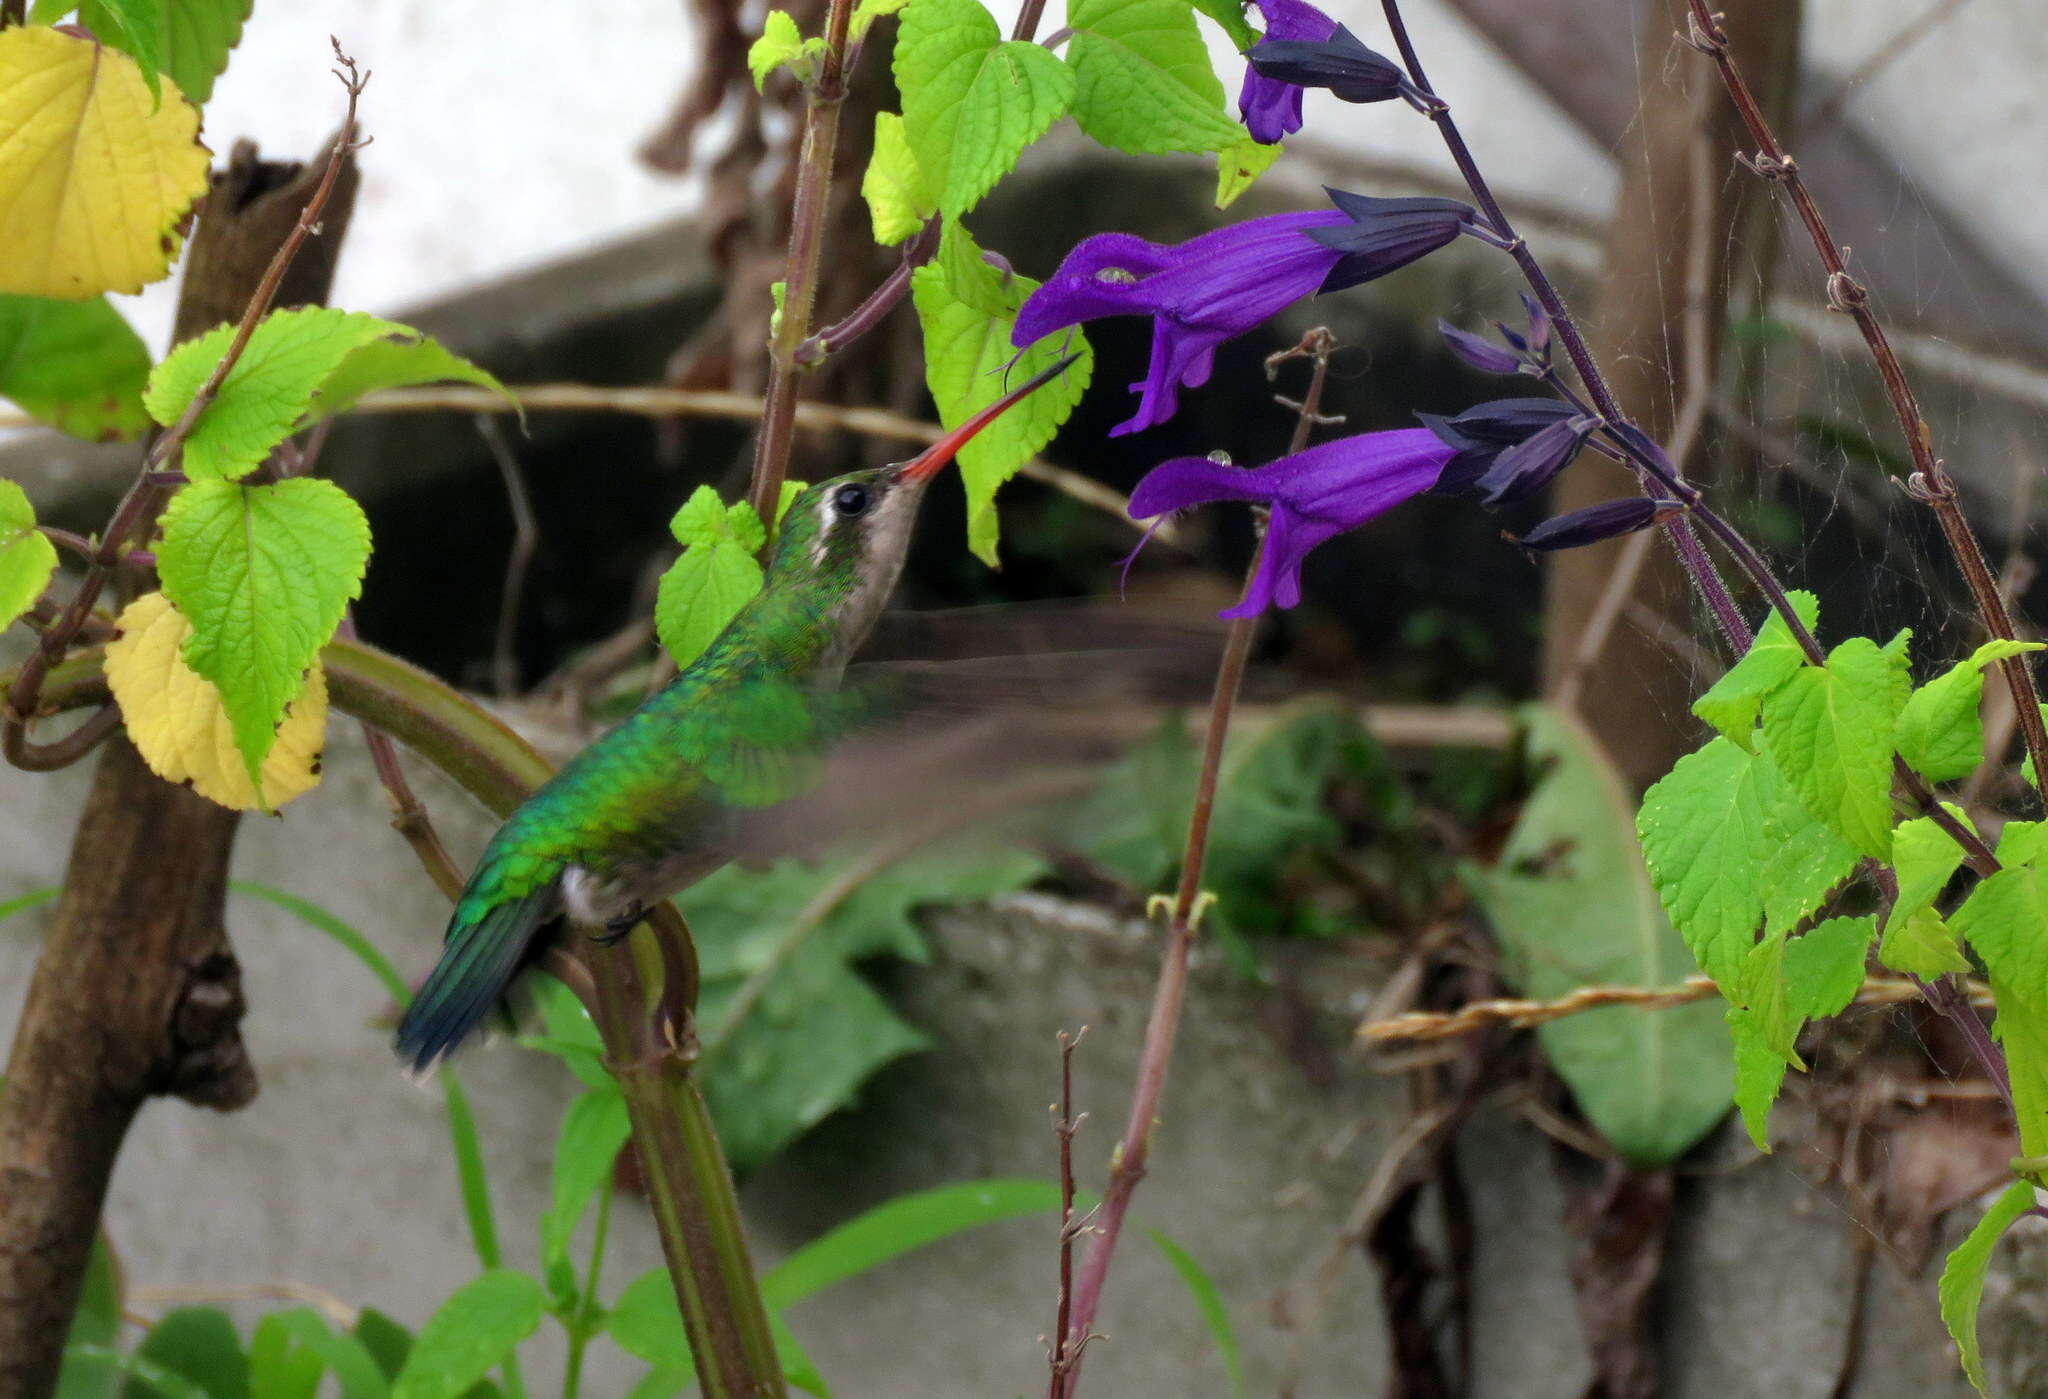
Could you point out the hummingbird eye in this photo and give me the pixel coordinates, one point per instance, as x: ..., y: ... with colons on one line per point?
x: 850, y: 500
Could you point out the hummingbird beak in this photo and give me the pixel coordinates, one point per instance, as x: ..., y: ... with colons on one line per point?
x: 933, y: 459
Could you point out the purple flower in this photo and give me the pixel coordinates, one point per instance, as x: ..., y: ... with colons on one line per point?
x: 1315, y: 495
x: 1271, y: 107
x: 1212, y: 288
x: 1607, y: 520
x: 1511, y: 447
x: 1199, y: 294
x: 1298, y: 54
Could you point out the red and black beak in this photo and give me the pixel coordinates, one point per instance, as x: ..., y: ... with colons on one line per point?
x: 932, y: 460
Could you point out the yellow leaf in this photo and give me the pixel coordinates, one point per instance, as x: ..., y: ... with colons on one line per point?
x: 95, y: 174
x: 176, y: 720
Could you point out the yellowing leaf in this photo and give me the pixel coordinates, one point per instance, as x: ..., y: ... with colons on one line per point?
x: 95, y: 174
x: 780, y: 42
x: 177, y: 722
x: 893, y: 186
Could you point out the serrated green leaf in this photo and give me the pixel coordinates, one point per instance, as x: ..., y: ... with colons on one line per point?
x: 1143, y: 83
x: 1230, y: 15
x: 193, y: 38
x: 75, y: 365
x: 716, y: 576
x: 1917, y: 940
x: 136, y: 28
x: 1705, y: 839
x: 1572, y: 905
x: 814, y: 1031
x: 1239, y: 165
x: 1824, y: 969
x: 972, y: 101
x: 1733, y: 702
x: 1804, y: 860
x: 594, y: 1130
x: 970, y: 363
x: 1921, y: 944
x: 893, y: 186
x: 2002, y: 919
x: 1759, y: 1074
x: 1829, y: 730
x: 1940, y: 731
x: 290, y: 1351
x: 299, y: 366
x: 263, y: 574
x: 868, y: 11
x: 27, y: 558
x: 780, y: 42
x: 199, y: 1345
x: 470, y: 1334
x: 1962, y: 1276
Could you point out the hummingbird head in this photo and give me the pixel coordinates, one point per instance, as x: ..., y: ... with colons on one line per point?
x: 847, y: 537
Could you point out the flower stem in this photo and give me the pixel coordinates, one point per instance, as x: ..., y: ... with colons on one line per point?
x: 800, y: 279
x: 1127, y: 1163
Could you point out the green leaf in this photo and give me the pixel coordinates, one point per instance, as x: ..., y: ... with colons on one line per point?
x: 972, y: 101
x: 97, y: 1369
x: 27, y: 558
x: 1239, y: 165
x: 292, y: 1349
x: 1230, y: 15
x: 1733, y: 702
x: 1573, y: 906
x: 1824, y: 969
x: 894, y: 188
x: 136, y: 28
x: 473, y: 1331
x: 1143, y: 83
x: 1917, y: 941
x: 780, y: 42
x: 193, y: 39
x: 594, y: 1130
x: 570, y: 1037
x: 899, y: 1226
x: 75, y: 365
x: 199, y: 1345
x: 1759, y: 1073
x: 970, y: 363
x: 1705, y: 839
x: 1940, y: 733
x: 299, y: 366
x: 263, y: 573
x: 1803, y: 862
x: 95, y: 1325
x: 1829, y: 730
x: 716, y: 576
x: 812, y: 1031
x: 868, y: 11
x: 1209, y: 1303
x: 387, y: 1342
x: 646, y: 1323
x: 1962, y: 1276
x: 2002, y: 920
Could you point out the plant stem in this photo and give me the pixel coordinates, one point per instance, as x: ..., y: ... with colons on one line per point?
x: 1930, y: 482
x: 879, y: 303
x: 800, y: 280
x: 1127, y: 1163
x: 583, y: 1320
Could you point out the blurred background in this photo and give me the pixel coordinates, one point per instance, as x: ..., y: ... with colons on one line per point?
x: 597, y: 196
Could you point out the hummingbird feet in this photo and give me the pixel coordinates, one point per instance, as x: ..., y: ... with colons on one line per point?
x: 617, y: 928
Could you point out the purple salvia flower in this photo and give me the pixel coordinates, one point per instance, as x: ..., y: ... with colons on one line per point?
x: 1286, y: 62
x: 1607, y: 520
x: 1271, y: 107
x: 1510, y: 447
x: 1526, y: 468
x: 1315, y: 495
x: 1476, y: 350
x: 1379, y: 235
x: 1199, y: 294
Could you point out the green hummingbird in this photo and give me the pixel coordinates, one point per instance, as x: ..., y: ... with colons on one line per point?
x: 666, y: 797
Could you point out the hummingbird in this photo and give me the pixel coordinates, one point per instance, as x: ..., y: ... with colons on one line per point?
x: 665, y: 798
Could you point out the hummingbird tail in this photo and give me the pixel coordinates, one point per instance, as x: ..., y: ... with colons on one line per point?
x: 477, y: 965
